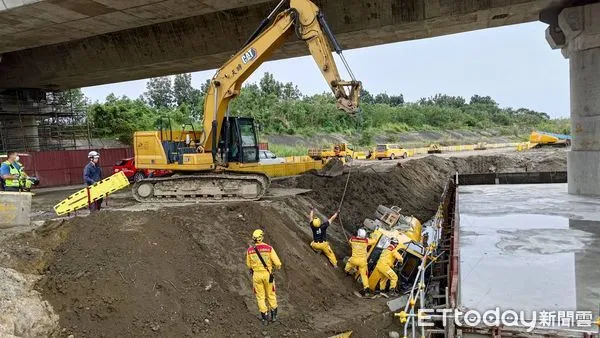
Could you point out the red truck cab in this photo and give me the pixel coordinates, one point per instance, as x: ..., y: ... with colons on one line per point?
x: 127, y: 166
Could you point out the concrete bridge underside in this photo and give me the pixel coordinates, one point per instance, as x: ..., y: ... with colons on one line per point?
x: 59, y: 44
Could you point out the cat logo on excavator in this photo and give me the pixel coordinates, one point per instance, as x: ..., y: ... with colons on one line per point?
x: 249, y: 55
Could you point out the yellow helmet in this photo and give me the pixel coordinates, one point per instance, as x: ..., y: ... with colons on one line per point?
x: 257, y: 235
x: 316, y: 222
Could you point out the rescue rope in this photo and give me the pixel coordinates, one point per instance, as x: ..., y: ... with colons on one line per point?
x: 342, y: 201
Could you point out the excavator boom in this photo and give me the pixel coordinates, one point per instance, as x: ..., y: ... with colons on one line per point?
x: 221, y: 162
x: 303, y: 19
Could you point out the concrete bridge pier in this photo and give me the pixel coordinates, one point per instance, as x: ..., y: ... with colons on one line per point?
x: 577, y: 33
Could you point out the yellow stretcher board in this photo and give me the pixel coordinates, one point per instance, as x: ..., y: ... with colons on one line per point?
x: 100, y: 189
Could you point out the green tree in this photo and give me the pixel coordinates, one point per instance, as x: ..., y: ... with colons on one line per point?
x: 159, y: 92
x: 282, y: 109
x: 290, y: 92
x: 269, y: 86
x: 74, y: 102
x: 183, y: 92
x: 204, y: 87
x: 366, y: 97
x: 121, y: 117
x: 444, y: 101
x: 484, y: 100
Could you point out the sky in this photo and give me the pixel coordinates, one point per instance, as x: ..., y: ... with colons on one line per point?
x: 512, y: 64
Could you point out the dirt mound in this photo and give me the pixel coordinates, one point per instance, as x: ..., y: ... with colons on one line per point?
x: 416, y: 187
x: 181, y: 272
x: 533, y: 160
x: 333, y: 168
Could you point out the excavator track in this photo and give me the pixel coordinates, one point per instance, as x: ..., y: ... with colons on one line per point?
x: 211, y: 187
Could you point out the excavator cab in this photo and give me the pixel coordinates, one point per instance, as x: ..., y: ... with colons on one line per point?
x: 238, y: 141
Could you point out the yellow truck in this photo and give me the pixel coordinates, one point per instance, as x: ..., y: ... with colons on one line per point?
x: 340, y: 150
x: 391, y: 151
x: 434, y: 149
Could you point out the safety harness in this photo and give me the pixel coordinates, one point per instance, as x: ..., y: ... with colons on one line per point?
x: 264, y: 264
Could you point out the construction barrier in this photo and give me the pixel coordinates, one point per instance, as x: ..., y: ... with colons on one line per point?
x: 294, y: 165
x: 465, y: 147
x: 298, y: 159
x: 525, y: 146
x: 15, y: 208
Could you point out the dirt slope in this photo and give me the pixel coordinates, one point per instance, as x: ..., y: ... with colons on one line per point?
x: 416, y: 187
x: 166, y: 272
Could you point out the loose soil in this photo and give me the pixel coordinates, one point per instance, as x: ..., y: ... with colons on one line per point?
x: 180, y: 271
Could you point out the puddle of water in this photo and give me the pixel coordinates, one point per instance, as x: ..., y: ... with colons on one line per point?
x: 525, y: 253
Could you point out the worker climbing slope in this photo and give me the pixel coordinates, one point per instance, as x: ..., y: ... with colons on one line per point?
x: 260, y: 259
x: 359, y: 244
x: 319, y: 231
x: 385, y: 265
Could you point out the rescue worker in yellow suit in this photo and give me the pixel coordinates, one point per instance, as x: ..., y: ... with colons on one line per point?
x: 359, y: 245
x: 319, y: 231
x: 260, y: 259
x: 385, y: 265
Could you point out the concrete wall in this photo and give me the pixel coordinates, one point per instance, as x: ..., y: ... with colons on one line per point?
x: 15, y: 209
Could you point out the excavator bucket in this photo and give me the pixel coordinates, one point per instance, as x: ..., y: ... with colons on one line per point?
x: 334, y: 167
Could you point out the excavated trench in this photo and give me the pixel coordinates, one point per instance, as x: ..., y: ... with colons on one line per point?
x: 180, y: 271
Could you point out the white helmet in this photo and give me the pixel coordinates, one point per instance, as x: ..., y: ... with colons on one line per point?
x: 362, y: 233
x: 93, y: 154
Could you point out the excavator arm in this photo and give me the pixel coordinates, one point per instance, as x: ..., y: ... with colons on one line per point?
x: 237, y: 174
x: 303, y: 19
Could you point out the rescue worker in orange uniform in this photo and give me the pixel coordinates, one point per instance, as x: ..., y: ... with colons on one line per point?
x: 359, y: 245
x: 385, y: 265
x: 261, y: 258
x: 319, y: 231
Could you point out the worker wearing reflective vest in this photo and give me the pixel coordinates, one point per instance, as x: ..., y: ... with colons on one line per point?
x: 10, y: 172
x: 319, y: 231
x: 260, y: 259
x: 359, y: 245
x: 385, y: 265
x: 25, y: 184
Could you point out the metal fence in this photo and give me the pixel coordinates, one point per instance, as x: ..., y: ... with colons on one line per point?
x: 60, y: 168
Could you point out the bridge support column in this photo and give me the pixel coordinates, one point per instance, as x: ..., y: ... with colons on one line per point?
x: 578, y: 35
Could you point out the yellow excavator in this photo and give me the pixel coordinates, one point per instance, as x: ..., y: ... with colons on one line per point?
x: 221, y: 162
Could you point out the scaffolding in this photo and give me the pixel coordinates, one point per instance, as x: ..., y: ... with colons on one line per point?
x: 38, y: 120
